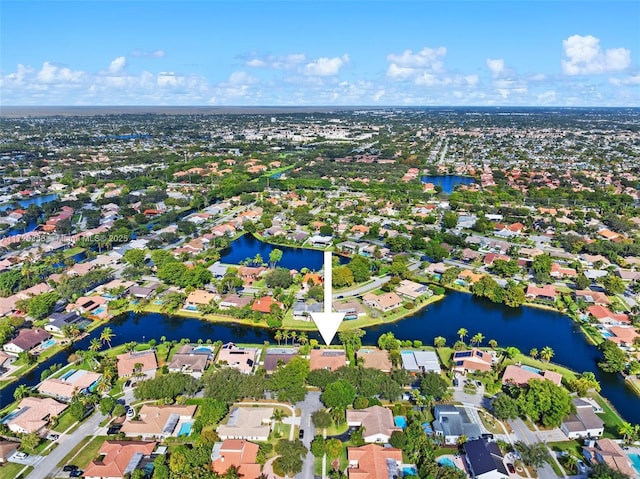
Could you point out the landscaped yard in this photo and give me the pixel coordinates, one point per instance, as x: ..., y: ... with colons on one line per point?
x: 84, y: 453
x: 11, y: 470
x: 64, y: 422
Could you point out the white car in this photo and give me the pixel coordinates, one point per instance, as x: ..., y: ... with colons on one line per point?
x: 20, y: 456
x: 131, y: 412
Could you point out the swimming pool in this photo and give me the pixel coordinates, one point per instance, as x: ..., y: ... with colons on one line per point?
x: 202, y: 349
x: 68, y: 374
x: 99, y: 310
x: 185, y: 429
x: 531, y: 369
x: 409, y: 471
x: 445, y: 461
x: 48, y: 343
x: 635, y: 459
x: 400, y: 421
x: 606, y: 334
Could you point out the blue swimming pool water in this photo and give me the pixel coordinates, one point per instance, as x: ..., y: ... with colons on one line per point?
x: 191, y: 308
x: 426, y: 427
x: 445, y: 461
x: 202, y: 349
x: 67, y: 374
x: 606, y: 334
x: 531, y: 369
x: 461, y: 282
x: 635, y: 459
x: 400, y: 421
x: 48, y: 343
x: 100, y: 310
x: 409, y: 471
x: 185, y: 429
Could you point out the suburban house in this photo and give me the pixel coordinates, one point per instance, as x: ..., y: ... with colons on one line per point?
x: 469, y: 276
x: 159, y: 421
x: 58, y: 321
x: 520, y: 376
x: 302, y: 311
x: 234, y: 301
x: 609, y: 452
x: 191, y: 361
x: 583, y: 423
x: 452, y: 422
x: 375, y: 359
x: 592, y: 297
x: 374, y: 462
x: 117, y: 458
x: 33, y: 415
x: 411, y: 290
x: 142, y: 362
x: 383, y: 302
x: 70, y: 384
x: 26, y: 340
x: 605, y: 316
x: 420, y: 361
x: 472, y: 360
x: 330, y: 359
x: 352, y: 309
x: 95, y: 306
x: 263, y: 305
x: 251, y: 423
x: 197, y: 298
x: 8, y: 449
x: 276, y: 356
x: 238, y: 453
x: 623, y: 335
x: 242, y: 359
x: 485, y: 460
x: 547, y: 292
x: 377, y: 422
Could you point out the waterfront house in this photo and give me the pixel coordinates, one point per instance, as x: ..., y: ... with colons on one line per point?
x: 277, y: 356
x: 351, y: 308
x: 238, y: 453
x: 374, y: 462
x: 330, y: 359
x: 58, y: 321
x: 411, y: 290
x: 452, y: 422
x: 472, y: 360
x: 592, y: 297
x: 485, y: 460
x: 302, y: 311
x: 119, y: 458
x: 190, y: 360
x: 71, y: 383
x: 609, y: 452
x: 377, y: 422
x: 26, y: 340
x: 251, y: 423
x: 242, y: 359
x: 604, y: 316
x: 420, y: 361
x: 139, y: 362
x: 583, y: 423
x: 199, y: 297
x: 375, y: 359
x: 547, y: 292
x: 263, y: 305
x: 383, y: 302
x: 159, y: 421
x: 234, y: 301
x: 520, y: 376
x: 33, y: 415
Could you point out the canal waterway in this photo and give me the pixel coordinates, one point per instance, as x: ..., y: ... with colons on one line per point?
x: 447, y: 182
x: 524, y: 328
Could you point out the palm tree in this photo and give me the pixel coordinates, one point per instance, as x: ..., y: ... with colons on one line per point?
x: 571, y: 462
x: 627, y: 430
x: 277, y: 416
x: 257, y: 259
x: 285, y: 335
x: 462, y: 332
x: 293, y: 335
x: 278, y: 336
x: 21, y: 392
x: 534, y: 353
x: 95, y: 345
x: 546, y: 354
x: 107, y: 335
x: 493, y: 344
x: 477, y: 339
x: 439, y: 342
x: 303, y: 338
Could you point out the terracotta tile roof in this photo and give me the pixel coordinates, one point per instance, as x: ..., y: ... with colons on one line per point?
x: 520, y: 377
x: 116, y: 457
x: 127, y: 362
x: 330, y: 359
x: 371, y: 461
x: 239, y: 453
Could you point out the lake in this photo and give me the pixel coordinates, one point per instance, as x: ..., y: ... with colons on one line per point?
x: 36, y: 200
x: 524, y: 328
x: 247, y: 246
x: 447, y: 182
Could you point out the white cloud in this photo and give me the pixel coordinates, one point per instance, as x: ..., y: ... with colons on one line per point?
x: 324, y: 66
x: 117, y: 65
x: 148, y: 54
x: 547, y: 98
x: 427, y: 58
x: 241, y: 78
x: 631, y: 80
x: 285, y: 62
x: 584, y: 56
x: 496, y: 66
x: 378, y: 95
x: 50, y: 73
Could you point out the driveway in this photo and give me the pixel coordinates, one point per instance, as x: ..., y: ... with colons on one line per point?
x: 307, y: 407
x: 27, y: 461
x: 66, y: 443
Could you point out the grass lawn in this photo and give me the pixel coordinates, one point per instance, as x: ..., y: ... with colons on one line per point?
x: 11, y: 470
x: 84, y: 453
x: 337, y: 430
x: 567, y: 373
x: 64, y: 422
x: 72, y: 251
x: 445, y: 355
x: 612, y: 420
x: 572, y: 447
x: 490, y: 423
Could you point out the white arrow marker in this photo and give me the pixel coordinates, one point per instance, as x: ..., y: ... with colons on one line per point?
x: 327, y: 322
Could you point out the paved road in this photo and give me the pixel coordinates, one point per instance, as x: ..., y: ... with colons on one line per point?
x: 66, y: 443
x: 307, y: 407
x: 529, y: 437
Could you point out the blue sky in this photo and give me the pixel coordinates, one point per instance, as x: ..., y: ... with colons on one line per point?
x: 565, y: 53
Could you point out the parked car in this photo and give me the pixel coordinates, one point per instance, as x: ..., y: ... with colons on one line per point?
x: 130, y: 412
x: 511, y: 468
x: 52, y: 437
x: 301, y: 434
x: 76, y: 473
x: 113, y: 430
x: 20, y: 455
x: 70, y: 468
